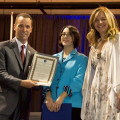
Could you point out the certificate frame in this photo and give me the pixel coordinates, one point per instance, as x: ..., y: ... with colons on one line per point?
x: 48, y: 64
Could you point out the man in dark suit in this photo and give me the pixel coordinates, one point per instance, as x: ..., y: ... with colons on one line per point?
x: 14, y: 63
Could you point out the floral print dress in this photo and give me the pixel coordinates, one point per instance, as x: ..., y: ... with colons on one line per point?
x: 99, y: 93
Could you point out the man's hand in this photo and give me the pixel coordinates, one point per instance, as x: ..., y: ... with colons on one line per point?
x: 28, y: 83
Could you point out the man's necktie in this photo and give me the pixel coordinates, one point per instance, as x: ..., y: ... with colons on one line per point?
x: 22, y: 53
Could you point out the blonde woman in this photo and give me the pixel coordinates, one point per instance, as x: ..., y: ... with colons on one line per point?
x: 101, y: 100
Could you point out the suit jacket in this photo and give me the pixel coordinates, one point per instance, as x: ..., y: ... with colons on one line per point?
x: 70, y: 72
x: 11, y: 74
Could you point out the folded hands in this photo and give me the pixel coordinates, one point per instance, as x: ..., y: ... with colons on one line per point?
x: 55, y: 106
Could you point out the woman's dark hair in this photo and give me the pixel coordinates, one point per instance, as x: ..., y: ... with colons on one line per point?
x: 74, y: 34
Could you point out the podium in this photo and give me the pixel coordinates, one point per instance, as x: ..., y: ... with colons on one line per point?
x: 65, y: 113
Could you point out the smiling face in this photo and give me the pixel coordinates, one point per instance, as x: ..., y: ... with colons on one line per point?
x: 101, y: 23
x: 23, y: 28
x: 66, y: 38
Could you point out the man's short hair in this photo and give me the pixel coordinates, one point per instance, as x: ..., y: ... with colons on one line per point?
x: 24, y: 15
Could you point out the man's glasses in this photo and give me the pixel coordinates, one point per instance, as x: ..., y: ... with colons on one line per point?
x: 65, y: 34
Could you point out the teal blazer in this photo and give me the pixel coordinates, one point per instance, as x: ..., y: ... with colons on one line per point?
x: 70, y: 72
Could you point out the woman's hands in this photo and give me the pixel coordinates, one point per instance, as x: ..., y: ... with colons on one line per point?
x: 118, y: 101
x: 59, y: 101
x: 49, y: 102
x: 55, y: 106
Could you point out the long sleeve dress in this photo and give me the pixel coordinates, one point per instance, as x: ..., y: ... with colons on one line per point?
x: 102, y: 83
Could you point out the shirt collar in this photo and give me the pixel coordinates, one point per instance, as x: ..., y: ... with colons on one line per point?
x: 72, y: 52
x: 20, y: 44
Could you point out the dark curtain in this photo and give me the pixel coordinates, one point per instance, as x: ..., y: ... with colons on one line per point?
x: 4, y: 27
x: 46, y: 29
x: 44, y: 38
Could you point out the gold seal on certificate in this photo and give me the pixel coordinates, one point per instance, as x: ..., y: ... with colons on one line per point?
x: 43, y: 69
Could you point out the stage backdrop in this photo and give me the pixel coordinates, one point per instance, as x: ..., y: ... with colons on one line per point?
x: 44, y: 38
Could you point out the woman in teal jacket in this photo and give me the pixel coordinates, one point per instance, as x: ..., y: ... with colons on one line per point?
x: 67, y: 83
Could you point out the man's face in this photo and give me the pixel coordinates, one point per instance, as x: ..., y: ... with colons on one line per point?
x: 23, y: 28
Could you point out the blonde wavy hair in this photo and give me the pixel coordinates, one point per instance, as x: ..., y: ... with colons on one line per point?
x: 94, y: 35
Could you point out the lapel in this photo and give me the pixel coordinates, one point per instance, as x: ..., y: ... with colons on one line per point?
x: 71, y: 55
x: 28, y: 54
x: 15, y: 49
x: 60, y: 57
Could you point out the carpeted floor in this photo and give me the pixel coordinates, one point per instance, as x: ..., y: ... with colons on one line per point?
x: 35, y: 116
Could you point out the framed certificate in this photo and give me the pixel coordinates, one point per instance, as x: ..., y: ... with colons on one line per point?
x: 43, y: 69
